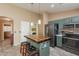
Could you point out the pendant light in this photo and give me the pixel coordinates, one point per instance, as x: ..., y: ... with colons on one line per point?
x: 31, y: 15
x: 32, y: 24
x: 39, y: 21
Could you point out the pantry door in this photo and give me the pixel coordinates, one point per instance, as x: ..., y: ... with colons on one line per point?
x: 25, y: 30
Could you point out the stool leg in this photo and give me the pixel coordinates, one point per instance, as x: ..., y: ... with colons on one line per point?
x: 24, y: 54
x: 23, y: 49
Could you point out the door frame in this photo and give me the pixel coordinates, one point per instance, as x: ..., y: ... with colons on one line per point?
x: 3, y: 18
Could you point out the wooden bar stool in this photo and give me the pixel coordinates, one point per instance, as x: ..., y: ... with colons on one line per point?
x: 24, y: 48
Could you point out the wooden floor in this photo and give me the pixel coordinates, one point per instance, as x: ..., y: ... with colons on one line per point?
x: 7, y: 50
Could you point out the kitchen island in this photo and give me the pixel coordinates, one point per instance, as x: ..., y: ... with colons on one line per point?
x: 42, y: 43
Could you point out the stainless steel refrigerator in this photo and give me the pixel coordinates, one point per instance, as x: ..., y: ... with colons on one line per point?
x: 52, y: 30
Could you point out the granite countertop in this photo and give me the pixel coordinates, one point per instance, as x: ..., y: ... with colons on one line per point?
x: 38, y: 38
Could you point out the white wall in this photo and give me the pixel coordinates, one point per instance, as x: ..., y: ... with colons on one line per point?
x: 64, y: 14
x: 17, y: 14
x: 45, y: 21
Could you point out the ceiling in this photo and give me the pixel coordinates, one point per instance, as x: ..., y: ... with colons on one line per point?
x: 46, y: 7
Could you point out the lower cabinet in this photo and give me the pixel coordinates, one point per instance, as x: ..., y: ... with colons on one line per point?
x: 44, y: 49
x: 59, y: 41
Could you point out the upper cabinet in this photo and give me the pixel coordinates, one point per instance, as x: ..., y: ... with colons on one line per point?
x: 68, y: 20
x: 64, y: 21
x: 75, y: 19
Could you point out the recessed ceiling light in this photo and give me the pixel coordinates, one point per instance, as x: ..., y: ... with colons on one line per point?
x: 52, y: 5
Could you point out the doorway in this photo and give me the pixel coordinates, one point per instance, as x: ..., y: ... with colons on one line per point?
x: 25, y: 30
x: 6, y: 32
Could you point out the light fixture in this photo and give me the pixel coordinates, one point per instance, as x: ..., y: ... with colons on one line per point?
x: 39, y: 21
x: 52, y: 5
x: 32, y: 24
x: 31, y: 5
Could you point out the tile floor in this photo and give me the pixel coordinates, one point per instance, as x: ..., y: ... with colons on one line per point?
x: 7, y: 50
x: 59, y: 52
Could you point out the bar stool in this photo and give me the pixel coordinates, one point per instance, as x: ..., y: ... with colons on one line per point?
x: 24, y: 48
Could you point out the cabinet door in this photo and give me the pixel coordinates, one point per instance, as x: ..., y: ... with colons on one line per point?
x: 55, y: 21
x: 59, y: 41
x: 68, y: 20
x: 61, y: 23
x: 75, y: 19
x: 44, y: 48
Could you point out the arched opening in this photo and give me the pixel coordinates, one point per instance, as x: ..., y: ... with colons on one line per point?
x: 6, y: 31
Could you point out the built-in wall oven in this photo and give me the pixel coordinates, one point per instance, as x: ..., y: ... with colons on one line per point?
x: 71, y: 42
